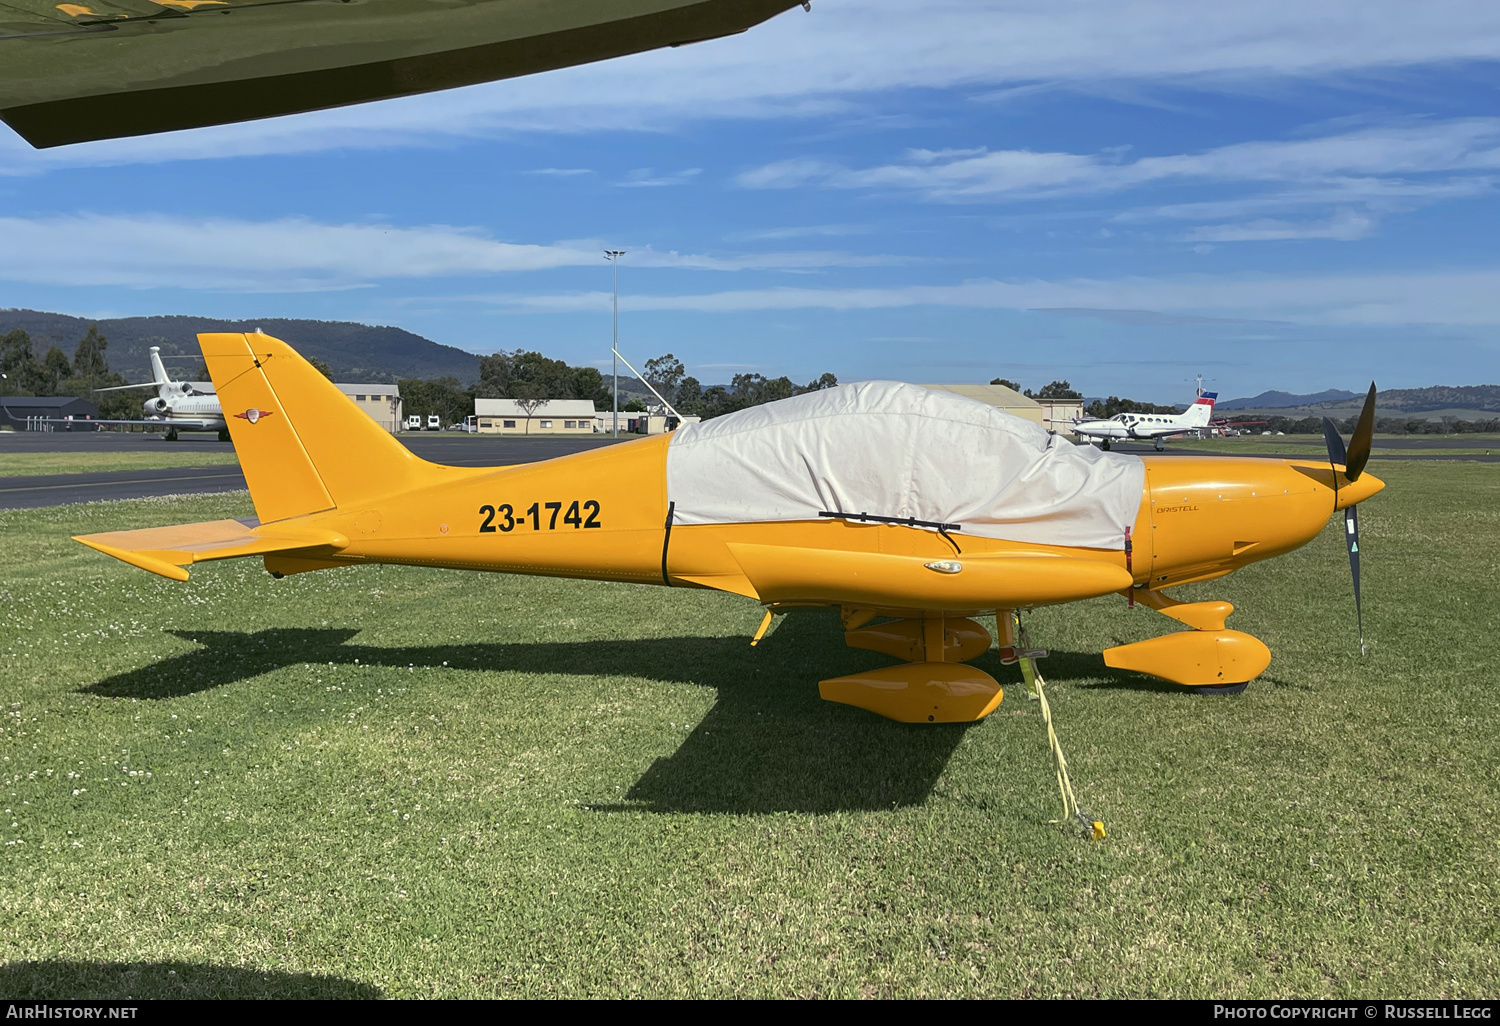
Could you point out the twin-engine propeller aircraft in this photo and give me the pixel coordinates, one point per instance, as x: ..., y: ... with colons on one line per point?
x: 101, y: 69
x: 890, y: 502
x: 1148, y: 426
x: 178, y: 406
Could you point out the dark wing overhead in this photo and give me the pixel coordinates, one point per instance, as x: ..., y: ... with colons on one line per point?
x: 102, y: 69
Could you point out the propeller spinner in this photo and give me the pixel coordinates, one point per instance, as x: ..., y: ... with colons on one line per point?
x: 1352, y: 460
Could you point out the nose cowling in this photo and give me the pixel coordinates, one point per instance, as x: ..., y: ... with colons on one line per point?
x: 1351, y: 492
x: 1341, y: 491
x: 1211, y: 515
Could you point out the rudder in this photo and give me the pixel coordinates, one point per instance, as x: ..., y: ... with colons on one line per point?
x: 303, y: 445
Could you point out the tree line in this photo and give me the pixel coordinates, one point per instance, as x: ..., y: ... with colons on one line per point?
x: 529, y: 377
x: 53, y: 373
x: 1099, y: 409
x: 1385, y: 425
x: 691, y: 398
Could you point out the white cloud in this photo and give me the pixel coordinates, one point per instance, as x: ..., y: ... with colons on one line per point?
x: 1344, y: 226
x: 1452, y: 146
x: 297, y: 254
x: 1385, y: 195
x: 1356, y: 176
x: 789, y: 174
x: 1456, y: 297
x: 644, y: 178
x: 799, y: 64
x: 805, y: 231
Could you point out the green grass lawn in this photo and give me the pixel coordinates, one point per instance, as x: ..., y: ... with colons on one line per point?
x: 20, y: 464
x: 409, y: 782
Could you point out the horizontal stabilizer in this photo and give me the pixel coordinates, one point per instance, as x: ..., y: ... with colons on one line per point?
x: 166, y: 550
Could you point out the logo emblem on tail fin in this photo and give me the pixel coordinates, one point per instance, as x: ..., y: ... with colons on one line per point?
x: 253, y: 415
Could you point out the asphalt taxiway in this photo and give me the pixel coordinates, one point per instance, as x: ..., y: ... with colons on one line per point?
x: 460, y: 450
x: 29, y: 492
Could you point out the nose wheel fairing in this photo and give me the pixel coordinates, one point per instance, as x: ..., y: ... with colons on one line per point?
x: 1209, y: 655
x: 1194, y: 658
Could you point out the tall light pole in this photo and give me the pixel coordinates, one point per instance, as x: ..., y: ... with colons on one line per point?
x: 613, y: 256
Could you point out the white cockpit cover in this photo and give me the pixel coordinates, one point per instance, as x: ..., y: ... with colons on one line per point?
x: 896, y: 450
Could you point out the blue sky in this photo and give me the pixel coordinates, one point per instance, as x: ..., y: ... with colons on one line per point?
x: 1123, y: 194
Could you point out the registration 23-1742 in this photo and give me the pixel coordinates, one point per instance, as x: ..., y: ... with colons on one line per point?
x: 540, y: 516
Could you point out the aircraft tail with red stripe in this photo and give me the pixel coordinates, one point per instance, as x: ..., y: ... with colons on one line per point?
x: 1199, y: 413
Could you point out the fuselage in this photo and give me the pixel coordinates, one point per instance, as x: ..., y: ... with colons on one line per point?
x: 195, y: 410
x: 1135, y: 425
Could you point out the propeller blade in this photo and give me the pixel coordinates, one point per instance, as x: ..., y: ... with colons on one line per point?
x: 1351, y: 540
x: 1359, y: 443
x: 1335, y: 443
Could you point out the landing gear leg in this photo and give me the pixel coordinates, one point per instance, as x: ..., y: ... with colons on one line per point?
x: 1159, y: 446
x: 171, y: 435
x: 1104, y: 444
x: 223, y: 434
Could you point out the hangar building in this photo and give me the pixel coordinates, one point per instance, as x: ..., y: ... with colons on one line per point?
x: 553, y: 417
x: 999, y: 396
x: 381, y: 400
x: 1059, y: 415
x: 15, y: 409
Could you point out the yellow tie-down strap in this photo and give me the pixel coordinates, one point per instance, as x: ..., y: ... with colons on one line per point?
x: 1036, y: 691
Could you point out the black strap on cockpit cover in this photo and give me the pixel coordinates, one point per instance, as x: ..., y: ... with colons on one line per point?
x: 941, y: 528
x: 666, y: 543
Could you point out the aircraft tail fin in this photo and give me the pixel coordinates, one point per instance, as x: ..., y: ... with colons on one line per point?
x: 303, y: 445
x: 1199, y: 413
x: 159, y: 374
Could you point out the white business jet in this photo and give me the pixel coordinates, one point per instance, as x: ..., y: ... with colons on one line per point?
x: 1143, y: 426
x: 179, y: 405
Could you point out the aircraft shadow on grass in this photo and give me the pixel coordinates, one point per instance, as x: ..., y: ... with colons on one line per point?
x: 769, y: 744
x: 74, y: 981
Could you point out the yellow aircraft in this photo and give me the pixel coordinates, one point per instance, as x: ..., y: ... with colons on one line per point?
x: 911, y: 511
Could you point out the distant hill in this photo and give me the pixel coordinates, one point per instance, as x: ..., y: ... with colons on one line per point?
x: 354, y: 352
x: 1442, y: 397
x: 1464, y: 401
x: 1284, y: 400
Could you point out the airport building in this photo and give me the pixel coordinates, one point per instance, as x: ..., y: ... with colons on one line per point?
x: 999, y: 396
x: 381, y: 400
x: 36, y: 413
x: 553, y: 417
x: 1059, y: 415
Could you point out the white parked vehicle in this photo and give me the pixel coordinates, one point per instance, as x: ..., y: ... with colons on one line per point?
x: 434, y: 422
x: 414, y: 422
